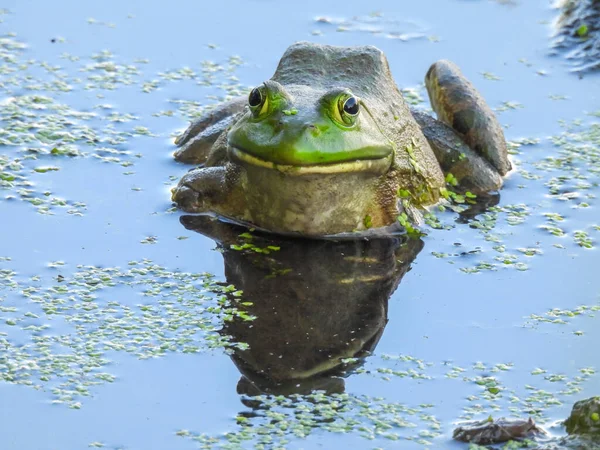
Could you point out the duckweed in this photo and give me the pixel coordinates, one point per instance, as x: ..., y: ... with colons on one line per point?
x: 174, y: 312
x: 74, y: 321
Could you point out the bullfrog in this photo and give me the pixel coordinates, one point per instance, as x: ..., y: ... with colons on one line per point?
x: 328, y: 145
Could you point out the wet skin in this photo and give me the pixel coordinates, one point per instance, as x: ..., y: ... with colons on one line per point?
x: 328, y: 145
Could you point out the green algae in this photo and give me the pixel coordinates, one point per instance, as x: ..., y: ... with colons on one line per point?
x: 36, y: 125
x: 275, y: 420
x: 568, y: 171
x: 162, y: 312
x: 564, y: 316
x: 105, y: 74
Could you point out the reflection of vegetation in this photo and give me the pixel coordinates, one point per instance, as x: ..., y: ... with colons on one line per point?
x: 73, y: 324
x: 577, y: 31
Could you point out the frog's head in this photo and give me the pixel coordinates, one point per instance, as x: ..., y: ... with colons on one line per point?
x: 307, y: 129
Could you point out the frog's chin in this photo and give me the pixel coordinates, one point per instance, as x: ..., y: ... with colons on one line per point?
x: 376, y: 166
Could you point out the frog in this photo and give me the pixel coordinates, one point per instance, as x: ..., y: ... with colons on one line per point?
x: 329, y: 146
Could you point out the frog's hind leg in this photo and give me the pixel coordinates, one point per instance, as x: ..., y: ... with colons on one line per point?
x: 196, y: 142
x: 473, y: 172
x: 459, y: 105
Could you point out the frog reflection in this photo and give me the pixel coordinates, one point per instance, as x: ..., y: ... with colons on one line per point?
x: 320, y: 305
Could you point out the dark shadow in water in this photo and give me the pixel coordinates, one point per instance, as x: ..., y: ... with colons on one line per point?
x: 317, y: 304
x: 479, y: 206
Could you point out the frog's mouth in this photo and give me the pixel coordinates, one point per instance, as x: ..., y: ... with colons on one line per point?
x: 375, y: 166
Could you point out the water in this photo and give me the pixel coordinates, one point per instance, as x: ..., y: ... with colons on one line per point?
x: 457, y: 327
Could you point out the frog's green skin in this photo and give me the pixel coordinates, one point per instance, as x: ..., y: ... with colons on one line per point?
x: 297, y: 163
x: 317, y: 303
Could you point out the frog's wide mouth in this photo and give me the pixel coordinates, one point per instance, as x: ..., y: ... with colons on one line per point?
x: 373, y: 165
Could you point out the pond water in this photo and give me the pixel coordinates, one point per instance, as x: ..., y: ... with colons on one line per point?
x: 111, y: 303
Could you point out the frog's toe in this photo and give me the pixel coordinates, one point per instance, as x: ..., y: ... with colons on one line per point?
x: 186, y: 198
x: 190, y: 192
x: 201, y: 190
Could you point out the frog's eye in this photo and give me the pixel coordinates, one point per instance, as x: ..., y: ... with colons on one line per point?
x: 255, y: 98
x: 258, y: 100
x: 351, y: 106
x: 348, y: 107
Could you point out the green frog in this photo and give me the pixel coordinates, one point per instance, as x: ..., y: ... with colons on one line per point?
x: 328, y: 145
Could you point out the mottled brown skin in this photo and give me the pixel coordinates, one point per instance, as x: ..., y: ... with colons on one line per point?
x: 319, y: 199
x: 316, y: 302
x: 458, y: 104
x: 582, y: 426
x: 472, y: 172
x: 486, y: 432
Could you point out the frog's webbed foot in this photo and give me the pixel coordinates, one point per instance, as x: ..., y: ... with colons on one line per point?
x: 460, y: 106
x: 196, y: 142
x: 207, y: 189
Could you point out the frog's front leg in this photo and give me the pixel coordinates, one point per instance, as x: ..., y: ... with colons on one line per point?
x: 460, y: 106
x: 211, y: 189
x: 197, y: 142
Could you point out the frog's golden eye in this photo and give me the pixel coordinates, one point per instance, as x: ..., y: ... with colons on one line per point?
x: 255, y: 98
x: 258, y: 100
x: 350, y: 106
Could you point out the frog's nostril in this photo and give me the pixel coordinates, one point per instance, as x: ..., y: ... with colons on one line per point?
x: 313, y: 129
